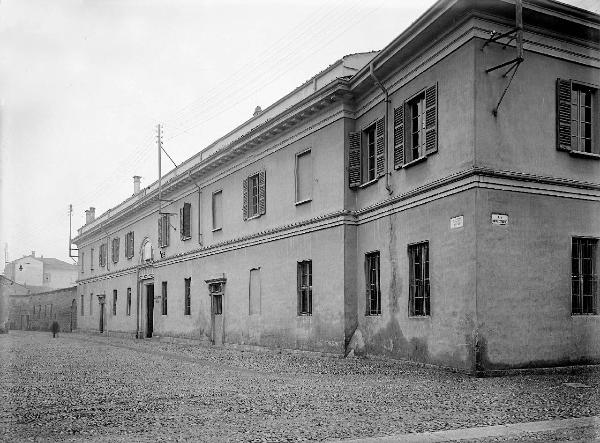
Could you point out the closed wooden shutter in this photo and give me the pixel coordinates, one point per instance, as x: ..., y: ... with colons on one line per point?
x: 160, y: 230
x: 166, y: 226
x: 380, y: 146
x: 132, y: 244
x: 187, y: 220
x: 563, y: 114
x: 399, y: 136
x: 431, y: 124
x: 354, y: 160
x: 262, y: 195
x: 245, y: 199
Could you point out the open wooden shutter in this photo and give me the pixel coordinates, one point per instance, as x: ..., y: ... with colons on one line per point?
x: 399, y: 136
x: 160, y: 230
x: 431, y: 123
x: 181, y: 231
x: 354, y: 157
x: 563, y: 114
x: 380, y: 146
x: 167, y: 226
x: 245, y: 199
x: 132, y: 244
x: 262, y: 189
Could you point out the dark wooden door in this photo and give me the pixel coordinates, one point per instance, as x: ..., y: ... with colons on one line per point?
x: 149, y: 310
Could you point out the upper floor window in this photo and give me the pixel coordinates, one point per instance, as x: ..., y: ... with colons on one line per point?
x: 577, y: 117
x: 217, y: 210
x: 254, y: 195
x: 304, y: 177
x: 372, y: 278
x: 163, y: 230
x: 115, y: 249
x: 415, y: 127
x: 147, y: 252
x: 82, y: 261
x: 185, y: 221
x: 129, y: 249
x: 91, y: 259
x: 102, y: 255
x: 418, y: 280
x: 366, y: 154
x: 584, y: 275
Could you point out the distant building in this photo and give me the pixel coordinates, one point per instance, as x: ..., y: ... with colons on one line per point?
x: 37, y: 311
x: 417, y: 202
x: 42, y: 272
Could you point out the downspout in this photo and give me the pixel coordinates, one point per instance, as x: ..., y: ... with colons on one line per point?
x: 387, y: 101
x: 199, y: 208
x: 137, y: 303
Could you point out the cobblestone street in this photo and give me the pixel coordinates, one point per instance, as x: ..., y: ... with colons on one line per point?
x: 92, y: 388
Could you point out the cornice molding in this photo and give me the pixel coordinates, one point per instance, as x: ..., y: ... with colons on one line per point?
x: 477, y: 177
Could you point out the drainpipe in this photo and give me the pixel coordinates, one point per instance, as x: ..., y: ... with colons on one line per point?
x: 387, y: 101
x: 137, y: 303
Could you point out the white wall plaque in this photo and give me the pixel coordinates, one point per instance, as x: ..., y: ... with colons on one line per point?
x: 499, y: 219
x: 456, y: 222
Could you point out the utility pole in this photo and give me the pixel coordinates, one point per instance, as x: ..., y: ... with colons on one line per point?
x: 5, y: 253
x: 70, y: 230
x: 159, y: 144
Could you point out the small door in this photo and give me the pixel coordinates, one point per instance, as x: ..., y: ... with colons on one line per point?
x: 149, y: 310
x: 217, y: 318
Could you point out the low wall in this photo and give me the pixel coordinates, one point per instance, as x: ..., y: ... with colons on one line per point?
x: 37, y: 312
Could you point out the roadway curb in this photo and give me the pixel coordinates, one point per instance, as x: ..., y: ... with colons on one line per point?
x: 510, y: 430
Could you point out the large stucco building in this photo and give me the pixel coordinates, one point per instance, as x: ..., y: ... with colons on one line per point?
x: 408, y: 203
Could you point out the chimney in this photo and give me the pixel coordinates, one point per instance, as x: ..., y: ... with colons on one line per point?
x: 90, y: 215
x: 136, y: 184
x: 257, y: 111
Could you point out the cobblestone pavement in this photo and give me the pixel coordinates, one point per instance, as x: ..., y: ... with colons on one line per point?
x: 92, y: 388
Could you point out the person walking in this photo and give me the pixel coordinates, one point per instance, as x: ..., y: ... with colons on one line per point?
x: 55, y: 329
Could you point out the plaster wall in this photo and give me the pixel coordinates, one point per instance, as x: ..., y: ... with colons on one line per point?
x: 524, y: 281
x: 522, y: 137
x: 32, y: 272
x: 446, y: 336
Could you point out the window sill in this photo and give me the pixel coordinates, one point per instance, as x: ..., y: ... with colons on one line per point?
x: 304, y: 314
x: 253, y: 217
x: 583, y: 154
x: 301, y: 202
x: 217, y: 229
x: 414, y: 162
x: 372, y: 315
x: 419, y: 317
x: 584, y: 315
x: 185, y: 238
x: 369, y: 183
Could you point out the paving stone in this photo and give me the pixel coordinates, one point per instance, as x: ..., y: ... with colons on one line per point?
x: 84, y: 388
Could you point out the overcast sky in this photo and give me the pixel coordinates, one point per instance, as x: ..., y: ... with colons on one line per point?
x: 83, y: 84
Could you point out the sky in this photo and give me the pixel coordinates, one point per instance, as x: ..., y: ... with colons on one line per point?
x: 83, y: 84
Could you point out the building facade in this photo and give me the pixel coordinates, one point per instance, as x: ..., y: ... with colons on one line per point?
x: 42, y: 272
x: 413, y: 202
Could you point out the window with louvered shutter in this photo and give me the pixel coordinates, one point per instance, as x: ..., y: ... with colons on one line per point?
x: 160, y: 231
x: 115, y: 249
x: 354, y: 159
x: 129, y: 244
x: 576, y: 117
x: 185, y: 221
x: 163, y: 230
x: 262, y: 193
x: 245, y: 199
x: 431, y: 124
x: 217, y: 210
x: 380, y: 146
x: 399, y: 136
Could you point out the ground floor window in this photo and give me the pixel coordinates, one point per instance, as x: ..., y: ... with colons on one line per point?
x: 114, y: 302
x: 164, y: 298
x: 372, y: 280
x: 584, y: 276
x: 128, y: 301
x: 419, y: 297
x: 305, y: 287
x: 187, y: 292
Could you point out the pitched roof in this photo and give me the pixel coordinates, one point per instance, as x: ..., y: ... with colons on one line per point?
x: 56, y: 263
